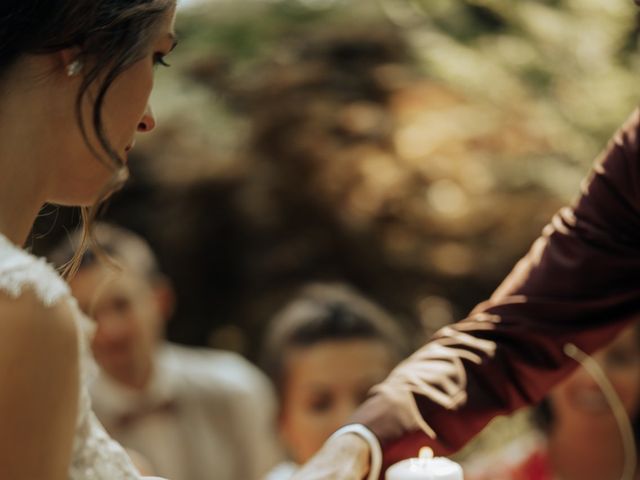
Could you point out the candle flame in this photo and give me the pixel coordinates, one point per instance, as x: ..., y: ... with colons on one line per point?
x: 426, y: 452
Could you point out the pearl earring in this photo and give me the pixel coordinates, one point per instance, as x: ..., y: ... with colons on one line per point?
x: 74, y: 68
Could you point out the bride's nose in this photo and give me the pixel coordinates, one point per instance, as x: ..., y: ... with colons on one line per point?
x: 148, y: 120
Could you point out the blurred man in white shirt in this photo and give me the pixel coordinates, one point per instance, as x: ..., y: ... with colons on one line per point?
x: 195, y: 414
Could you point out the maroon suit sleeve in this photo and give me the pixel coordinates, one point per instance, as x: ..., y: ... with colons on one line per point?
x: 579, y: 283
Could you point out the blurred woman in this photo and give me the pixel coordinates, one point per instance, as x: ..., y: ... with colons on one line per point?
x: 579, y: 437
x: 75, y: 77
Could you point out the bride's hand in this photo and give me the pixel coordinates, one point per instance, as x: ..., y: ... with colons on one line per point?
x: 345, y: 457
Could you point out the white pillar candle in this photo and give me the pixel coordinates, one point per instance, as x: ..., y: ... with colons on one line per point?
x: 425, y: 467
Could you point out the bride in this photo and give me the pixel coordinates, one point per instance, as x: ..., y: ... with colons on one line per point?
x: 75, y: 79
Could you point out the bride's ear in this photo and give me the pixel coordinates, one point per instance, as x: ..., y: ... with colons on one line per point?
x: 70, y: 61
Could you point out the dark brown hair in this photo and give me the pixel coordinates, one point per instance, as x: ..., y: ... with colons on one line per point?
x: 323, y: 312
x: 111, y: 34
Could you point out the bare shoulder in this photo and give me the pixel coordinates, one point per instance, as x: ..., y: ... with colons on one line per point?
x: 39, y: 380
x: 27, y: 319
x: 38, y: 343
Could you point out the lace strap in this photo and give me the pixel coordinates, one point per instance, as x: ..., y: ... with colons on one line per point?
x: 20, y: 270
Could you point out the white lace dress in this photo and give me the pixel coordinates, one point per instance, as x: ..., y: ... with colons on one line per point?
x: 95, y: 455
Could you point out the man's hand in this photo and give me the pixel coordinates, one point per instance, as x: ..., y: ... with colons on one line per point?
x: 342, y: 458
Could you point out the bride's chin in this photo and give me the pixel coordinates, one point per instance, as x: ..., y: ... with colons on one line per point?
x: 74, y: 202
x: 85, y: 195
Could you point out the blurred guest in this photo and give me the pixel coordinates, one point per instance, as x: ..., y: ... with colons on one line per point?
x: 578, y: 438
x: 324, y: 351
x: 195, y: 414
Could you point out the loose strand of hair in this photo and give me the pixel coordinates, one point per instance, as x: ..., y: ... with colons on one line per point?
x: 88, y: 241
